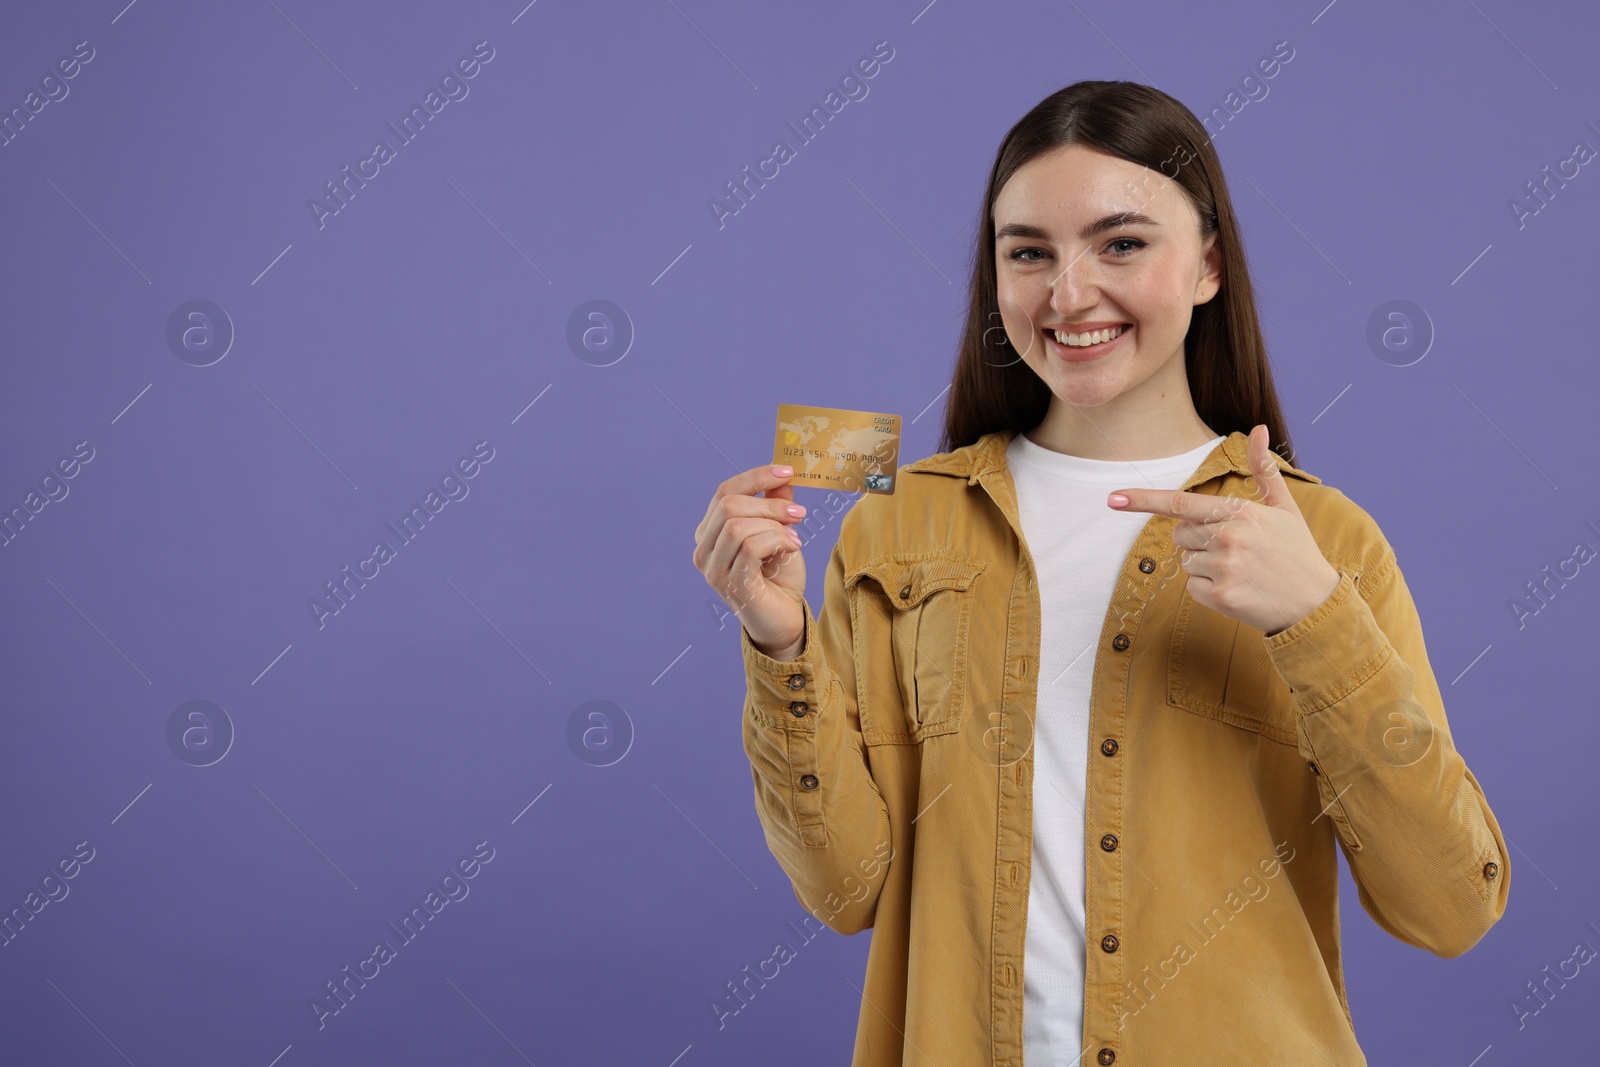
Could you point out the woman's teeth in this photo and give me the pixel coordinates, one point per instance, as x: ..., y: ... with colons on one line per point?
x: 1083, y: 340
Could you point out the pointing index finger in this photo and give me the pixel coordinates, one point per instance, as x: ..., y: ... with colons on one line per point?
x: 1178, y: 503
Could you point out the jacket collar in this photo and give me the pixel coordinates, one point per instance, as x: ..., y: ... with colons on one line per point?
x: 988, y: 454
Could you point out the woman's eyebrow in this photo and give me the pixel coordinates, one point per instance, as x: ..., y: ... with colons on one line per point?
x: 1098, y: 226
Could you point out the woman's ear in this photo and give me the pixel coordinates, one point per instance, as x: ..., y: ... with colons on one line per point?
x: 1210, y: 281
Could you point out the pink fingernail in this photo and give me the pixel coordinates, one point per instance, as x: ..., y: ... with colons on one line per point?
x: 1119, y: 500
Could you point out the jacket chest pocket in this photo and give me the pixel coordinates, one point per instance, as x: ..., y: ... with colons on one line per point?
x: 910, y: 615
x: 1219, y: 668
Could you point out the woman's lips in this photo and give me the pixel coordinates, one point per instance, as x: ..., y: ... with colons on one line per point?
x: 1082, y: 355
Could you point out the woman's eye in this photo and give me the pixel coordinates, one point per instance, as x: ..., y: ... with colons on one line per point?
x: 1121, y: 247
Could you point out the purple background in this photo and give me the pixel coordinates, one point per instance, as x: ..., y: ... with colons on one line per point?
x: 373, y: 352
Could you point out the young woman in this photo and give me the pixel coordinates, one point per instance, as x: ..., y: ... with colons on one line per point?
x: 1100, y: 691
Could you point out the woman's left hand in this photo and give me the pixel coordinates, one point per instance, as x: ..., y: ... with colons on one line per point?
x: 1254, y: 561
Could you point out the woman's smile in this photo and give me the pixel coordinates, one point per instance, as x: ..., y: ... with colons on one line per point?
x: 1083, y: 353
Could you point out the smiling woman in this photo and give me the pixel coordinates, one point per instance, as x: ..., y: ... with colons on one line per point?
x: 1069, y: 756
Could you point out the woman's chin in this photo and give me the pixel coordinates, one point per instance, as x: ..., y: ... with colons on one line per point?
x: 1081, y: 385
x: 1083, y: 394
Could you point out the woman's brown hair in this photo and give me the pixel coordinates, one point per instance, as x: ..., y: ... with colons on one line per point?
x: 1224, y: 353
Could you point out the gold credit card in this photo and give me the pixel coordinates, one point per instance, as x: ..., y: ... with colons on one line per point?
x: 835, y: 448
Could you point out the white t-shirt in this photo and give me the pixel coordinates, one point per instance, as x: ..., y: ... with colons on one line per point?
x: 1078, y: 544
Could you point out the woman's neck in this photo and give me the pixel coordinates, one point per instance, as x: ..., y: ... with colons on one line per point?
x: 1094, y: 434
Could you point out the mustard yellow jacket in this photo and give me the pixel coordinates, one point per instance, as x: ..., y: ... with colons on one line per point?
x: 892, y: 765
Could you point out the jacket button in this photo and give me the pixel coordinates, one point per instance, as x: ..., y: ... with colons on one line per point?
x: 797, y: 681
x: 808, y: 781
x: 1109, y: 746
x: 1109, y: 842
x: 1109, y: 942
x: 1147, y: 564
x: 797, y: 708
x: 905, y: 592
x: 1107, y: 1056
x: 1491, y: 869
x: 1313, y: 767
x: 1120, y: 642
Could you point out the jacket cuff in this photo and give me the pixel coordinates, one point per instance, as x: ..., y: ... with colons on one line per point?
x: 785, y: 693
x: 1333, y: 651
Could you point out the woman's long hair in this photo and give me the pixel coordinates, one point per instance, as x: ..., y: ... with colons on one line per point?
x: 1224, y: 353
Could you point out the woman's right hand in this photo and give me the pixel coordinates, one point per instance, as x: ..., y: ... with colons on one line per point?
x: 752, y: 558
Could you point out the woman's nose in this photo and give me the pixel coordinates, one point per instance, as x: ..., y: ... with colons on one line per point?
x: 1074, y: 290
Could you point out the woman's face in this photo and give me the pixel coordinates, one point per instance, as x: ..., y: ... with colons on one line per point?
x: 1064, y: 260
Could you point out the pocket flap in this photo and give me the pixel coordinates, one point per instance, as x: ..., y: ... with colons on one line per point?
x: 910, y: 579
